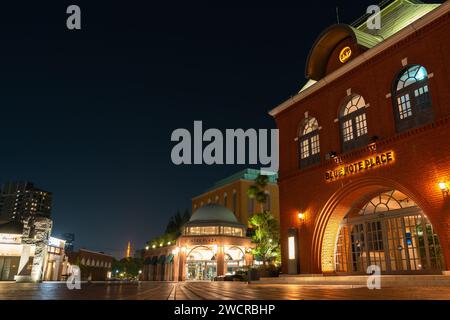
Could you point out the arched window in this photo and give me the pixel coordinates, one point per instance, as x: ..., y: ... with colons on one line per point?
x: 309, y: 144
x: 353, y: 123
x: 412, y: 102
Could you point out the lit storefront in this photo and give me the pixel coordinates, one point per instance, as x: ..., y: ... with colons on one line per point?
x: 10, y: 250
x: 18, y: 258
x: 213, y: 244
x: 364, y: 176
x: 56, y: 264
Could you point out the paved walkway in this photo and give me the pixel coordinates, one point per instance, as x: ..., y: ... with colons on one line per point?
x: 214, y: 291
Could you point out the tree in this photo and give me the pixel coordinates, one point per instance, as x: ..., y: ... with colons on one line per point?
x: 266, y: 236
x: 266, y: 230
x: 128, y: 266
x: 176, y: 223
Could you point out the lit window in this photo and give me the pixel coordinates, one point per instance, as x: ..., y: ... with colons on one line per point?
x: 412, y: 99
x: 304, y: 149
x: 404, y: 106
x: 309, y: 144
x: 347, y: 130
x: 353, y: 122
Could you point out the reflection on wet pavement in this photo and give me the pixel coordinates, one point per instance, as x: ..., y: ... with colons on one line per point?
x: 211, y: 291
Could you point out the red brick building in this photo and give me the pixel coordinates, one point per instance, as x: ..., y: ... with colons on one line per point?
x: 365, y: 148
x: 94, y: 266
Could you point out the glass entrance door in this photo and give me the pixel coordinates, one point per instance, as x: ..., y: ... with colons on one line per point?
x: 201, y: 270
x: 398, y: 241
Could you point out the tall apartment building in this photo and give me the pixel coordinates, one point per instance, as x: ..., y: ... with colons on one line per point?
x: 231, y: 192
x: 20, y: 200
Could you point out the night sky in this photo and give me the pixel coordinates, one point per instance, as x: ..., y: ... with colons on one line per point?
x: 88, y: 114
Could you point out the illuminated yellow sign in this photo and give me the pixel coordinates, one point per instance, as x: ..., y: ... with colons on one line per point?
x: 345, y: 54
x: 360, y: 166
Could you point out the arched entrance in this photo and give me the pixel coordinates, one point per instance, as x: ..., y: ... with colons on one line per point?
x: 388, y: 230
x: 201, y: 263
x: 346, y: 203
x: 234, y: 259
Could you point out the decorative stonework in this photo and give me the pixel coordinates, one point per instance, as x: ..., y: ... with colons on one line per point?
x: 36, y: 232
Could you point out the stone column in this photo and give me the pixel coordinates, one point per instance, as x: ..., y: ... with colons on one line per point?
x: 220, y: 260
x: 181, y: 266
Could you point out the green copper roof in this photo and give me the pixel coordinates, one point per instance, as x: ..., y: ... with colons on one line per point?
x: 395, y: 15
x: 247, y: 174
x: 213, y: 212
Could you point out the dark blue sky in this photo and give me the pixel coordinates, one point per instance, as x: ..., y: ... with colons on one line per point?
x: 88, y: 114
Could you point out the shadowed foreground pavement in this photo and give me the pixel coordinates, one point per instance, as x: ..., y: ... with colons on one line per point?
x: 213, y: 291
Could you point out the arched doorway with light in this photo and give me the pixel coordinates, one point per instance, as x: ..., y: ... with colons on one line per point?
x: 201, y: 263
x: 234, y: 259
x: 390, y: 230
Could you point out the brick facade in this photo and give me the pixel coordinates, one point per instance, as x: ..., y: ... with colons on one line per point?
x: 422, y: 154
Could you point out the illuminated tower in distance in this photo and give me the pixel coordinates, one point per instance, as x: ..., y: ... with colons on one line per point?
x: 128, y: 252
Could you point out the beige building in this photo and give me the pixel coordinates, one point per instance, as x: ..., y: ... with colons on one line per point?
x: 231, y: 192
x: 213, y: 244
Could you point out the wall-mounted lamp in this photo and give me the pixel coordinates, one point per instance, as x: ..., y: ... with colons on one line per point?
x: 301, y: 216
x: 444, y: 188
x: 330, y: 155
x: 147, y: 247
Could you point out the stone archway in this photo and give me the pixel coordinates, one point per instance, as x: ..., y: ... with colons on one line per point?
x: 326, y: 226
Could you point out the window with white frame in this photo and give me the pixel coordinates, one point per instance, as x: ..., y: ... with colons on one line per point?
x: 411, y: 98
x: 309, y: 142
x: 353, y: 121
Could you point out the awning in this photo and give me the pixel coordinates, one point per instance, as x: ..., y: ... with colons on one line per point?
x: 169, y: 258
x: 162, y: 259
x: 154, y: 260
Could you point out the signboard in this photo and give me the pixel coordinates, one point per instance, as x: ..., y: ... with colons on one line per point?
x: 372, y: 162
x: 345, y: 54
x: 10, y: 238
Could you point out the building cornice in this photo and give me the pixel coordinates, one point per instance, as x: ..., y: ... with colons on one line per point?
x: 433, y: 15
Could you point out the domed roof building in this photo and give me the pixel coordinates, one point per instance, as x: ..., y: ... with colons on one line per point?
x: 214, y: 219
x: 213, y: 243
x: 213, y: 212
